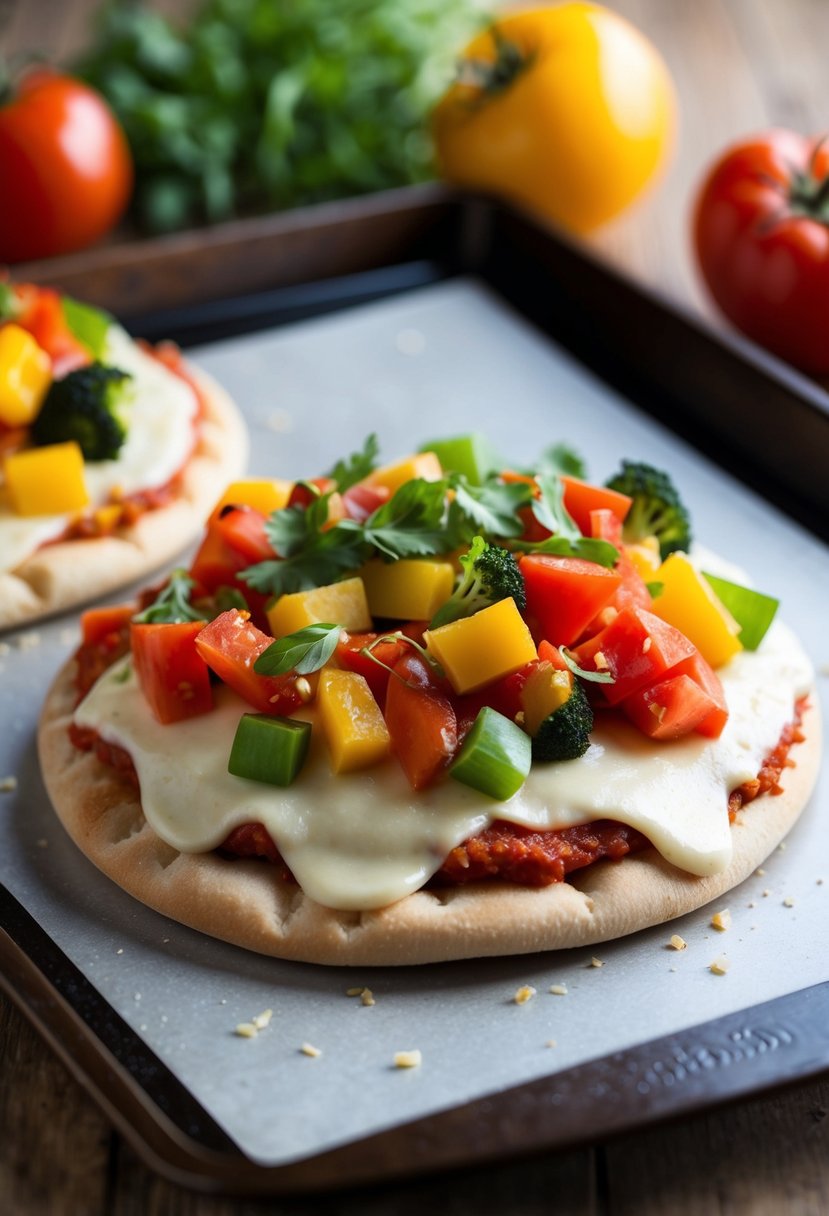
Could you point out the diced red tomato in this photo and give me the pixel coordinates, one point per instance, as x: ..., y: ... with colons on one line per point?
x: 637, y: 649
x: 349, y: 656
x: 548, y: 653
x: 632, y: 592
x: 99, y: 625
x: 669, y: 709
x: 581, y: 498
x: 230, y: 645
x: 244, y: 530
x: 703, y: 674
x: 42, y: 315
x: 173, y: 676
x: 362, y: 500
x: 421, y: 721
x: 217, y: 562
x: 302, y: 495
x: 564, y: 594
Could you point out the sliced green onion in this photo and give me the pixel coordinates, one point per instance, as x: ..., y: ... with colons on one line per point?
x: 271, y: 750
x: 495, y: 757
x: 752, y: 610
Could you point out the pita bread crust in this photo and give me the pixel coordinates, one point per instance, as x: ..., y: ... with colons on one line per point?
x: 59, y: 576
x: 247, y: 903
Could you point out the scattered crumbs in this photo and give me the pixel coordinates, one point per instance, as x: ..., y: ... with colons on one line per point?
x: 600, y: 661
x: 672, y: 968
x: 410, y: 342
x: 367, y: 997
x: 164, y: 941
x: 525, y: 993
x: 408, y: 1059
x: 751, y: 904
x: 766, y: 893
x: 719, y: 966
x: 120, y: 950
x: 262, y: 1019
x: 819, y: 882
x: 42, y: 842
x: 164, y: 1017
x: 550, y: 1043
x: 143, y: 1026
x: 354, y: 991
x: 28, y: 641
x: 558, y: 989
x: 752, y: 927
x: 595, y: 962
x: 721, y: 920
x: 8, y: 785
x: 788, y: 902
x: 137, y: 996
x: 223, y: 1001
x: 677, y: 942
x: 246, y: 1030
x: 760, y: 872
x: 280, y: 421
x: 308, y: 1049
x: 781, y: 848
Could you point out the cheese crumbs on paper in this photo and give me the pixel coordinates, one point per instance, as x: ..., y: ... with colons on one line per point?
x: 308, y: 1049
x: 408, y: 1059
x: 525, y: 993
x: 558, y: 989
x: 677, y: 942
x: 721, y: 920
x: 596, y: 962
x: 719, y: 966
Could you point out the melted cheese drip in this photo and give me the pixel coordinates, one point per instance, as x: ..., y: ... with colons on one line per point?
x: 364, y: 840
x: 159, y: 440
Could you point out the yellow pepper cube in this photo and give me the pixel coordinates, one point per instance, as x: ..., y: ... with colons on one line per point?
x: 423, y: 465
x: 338, y: 604
x: 47, y: 480
x: 481, y: 648
x: 645, y: 557
x: 25, y: 376
x: 688, y: 602
x: 411, y: 589
x: 351, y: 721
x: 265, y: 496
x: 545, y: 690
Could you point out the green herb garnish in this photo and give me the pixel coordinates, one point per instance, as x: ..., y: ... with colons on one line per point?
x: 304, y: 651
x: 172, y: 605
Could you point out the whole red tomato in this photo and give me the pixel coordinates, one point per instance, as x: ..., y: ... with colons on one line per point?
x: 761, y: 233
x: 65, y: 168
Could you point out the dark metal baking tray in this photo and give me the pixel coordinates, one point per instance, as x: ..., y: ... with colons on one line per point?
x: 765, y: 424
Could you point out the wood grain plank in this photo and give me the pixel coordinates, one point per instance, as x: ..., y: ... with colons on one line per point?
x: 54, y: 1143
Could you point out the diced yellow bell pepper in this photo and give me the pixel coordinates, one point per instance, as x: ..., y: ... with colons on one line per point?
x: 645, y: 557
x: 411, y: 589
x: 481, y: 648
x: 108, y: 517
x: 544, y: 691
x: 338, y: 603
x: 47, y: 480
x: 688, y: 602
x: 264, y: 496
x: 351, y: 721
x: 25, y: 376
x: 424, y: 465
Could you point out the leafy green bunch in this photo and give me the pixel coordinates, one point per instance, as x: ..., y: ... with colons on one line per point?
x: 257, y: 104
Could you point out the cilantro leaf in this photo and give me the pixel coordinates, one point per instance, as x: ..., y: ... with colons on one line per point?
x: 355, y: 467
x: 491, y: 508
x: 549, y: 508
x: 592, y: 550
x: 9, y: 307
x: 412, y: 522
x: 172, y: 605
x: 304, y: 651
x: 559, y: 458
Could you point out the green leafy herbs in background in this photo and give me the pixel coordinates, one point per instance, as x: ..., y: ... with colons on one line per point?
x: 259, y: 104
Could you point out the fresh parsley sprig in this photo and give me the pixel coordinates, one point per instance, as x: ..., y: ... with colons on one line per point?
x: 566, y: 541
x: 172, y: 605
x: 346, y: 473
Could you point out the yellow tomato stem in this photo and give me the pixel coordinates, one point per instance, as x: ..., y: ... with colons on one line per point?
x: 492, y: 76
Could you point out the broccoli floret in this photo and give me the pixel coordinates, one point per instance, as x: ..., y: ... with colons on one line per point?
x: 87, y: 405
x: 490, y: 574
x: 657, y: 509
x: 565, y: 733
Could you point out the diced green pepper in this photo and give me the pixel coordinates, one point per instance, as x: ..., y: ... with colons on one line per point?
x: 495, y: 757
x: 472, y: 455
x: 752, y: 610
x: 269, y: 749
x: 89, y: 325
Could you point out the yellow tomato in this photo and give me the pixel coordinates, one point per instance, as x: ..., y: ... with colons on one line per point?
x: 568, y: 110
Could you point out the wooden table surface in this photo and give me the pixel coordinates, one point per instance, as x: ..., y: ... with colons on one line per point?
x: 739, y: 65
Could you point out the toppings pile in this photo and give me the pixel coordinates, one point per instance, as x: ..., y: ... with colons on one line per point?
x: 466, y: 619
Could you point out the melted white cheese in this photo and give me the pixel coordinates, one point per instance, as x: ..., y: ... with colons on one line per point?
x: 365, y: 840
x: 159, y: 440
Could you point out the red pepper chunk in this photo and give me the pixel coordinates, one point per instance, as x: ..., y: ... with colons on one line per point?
x: 668, y: 709
x: 99, y: 625
x: 230, y: 645
x: 581, y: 499
x: 636, y: 649
x: 243, y: 528
x: 173, y: 676
x: 564, y: 594
x: 421, y: 721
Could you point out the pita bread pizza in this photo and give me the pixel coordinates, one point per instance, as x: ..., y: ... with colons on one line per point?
x: 112, y: 453
x: 435, y: 710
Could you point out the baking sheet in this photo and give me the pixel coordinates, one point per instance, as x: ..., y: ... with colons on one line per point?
x: 438, y: 361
